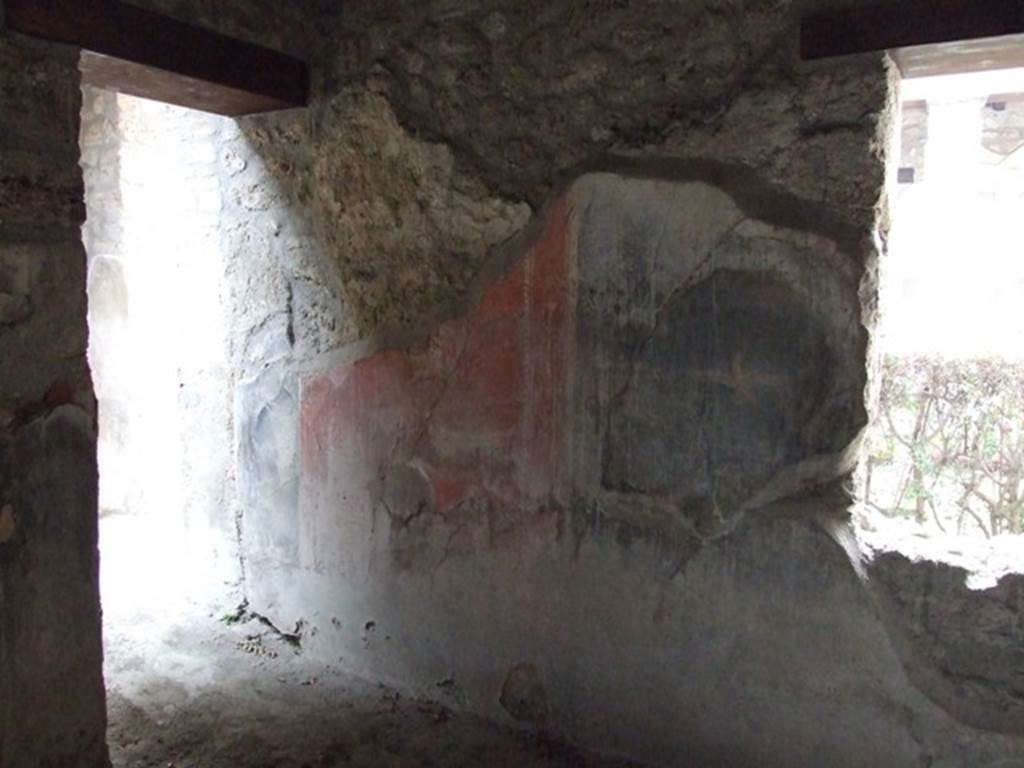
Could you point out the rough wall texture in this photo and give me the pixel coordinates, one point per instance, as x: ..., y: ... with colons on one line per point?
x: 526, y: 90
x: 964, y: 647
x: 529, y: 489
x: 51, y: 688
x: 567, y: 450
x: 598, y: 487
x: 605, y: 502
x: 437, y: 129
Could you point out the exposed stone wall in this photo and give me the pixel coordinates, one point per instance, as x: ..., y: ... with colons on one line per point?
x: 437, y: 129
x: 620, y: 473
x: 551, y: 348
x: 51, y: 687
x: 525, y: 91
x: 963, y: 645
x: 504, y: 478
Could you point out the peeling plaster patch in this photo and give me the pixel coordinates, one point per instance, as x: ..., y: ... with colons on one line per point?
x: 8, y: 524
x: 441, y: 422
x: 458, y: 445
x: 713, y: 341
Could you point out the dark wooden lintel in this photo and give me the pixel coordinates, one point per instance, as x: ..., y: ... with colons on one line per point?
x: 136, y: 51
x: 861, y: 29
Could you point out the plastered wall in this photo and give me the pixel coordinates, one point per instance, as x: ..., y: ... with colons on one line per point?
x: 552, y: 354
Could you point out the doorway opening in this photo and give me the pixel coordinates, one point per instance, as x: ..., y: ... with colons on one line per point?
x: 942, y: 470
x: 161, y: 354
x: 189, y: 293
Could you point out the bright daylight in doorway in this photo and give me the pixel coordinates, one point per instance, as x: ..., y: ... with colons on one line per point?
x: 942, y: 475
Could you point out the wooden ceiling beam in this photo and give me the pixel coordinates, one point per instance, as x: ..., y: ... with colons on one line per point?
x: 135, y: 51
x: 861, y: 29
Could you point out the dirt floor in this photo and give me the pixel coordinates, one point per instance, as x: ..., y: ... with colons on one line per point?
x: 189, y: 687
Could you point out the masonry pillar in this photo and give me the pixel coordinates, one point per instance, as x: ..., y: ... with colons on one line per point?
x: 52, y: 711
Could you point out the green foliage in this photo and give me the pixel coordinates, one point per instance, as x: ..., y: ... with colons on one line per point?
x: 240, y: 615
x: 948, y: 440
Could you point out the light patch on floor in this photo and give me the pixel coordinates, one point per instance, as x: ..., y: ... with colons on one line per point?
x: 193, y: 685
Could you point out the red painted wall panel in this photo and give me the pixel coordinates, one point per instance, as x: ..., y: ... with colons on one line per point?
x: 477, y: 418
